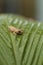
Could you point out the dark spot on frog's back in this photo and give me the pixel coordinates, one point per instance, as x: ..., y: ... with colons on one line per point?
x: 20, y: 32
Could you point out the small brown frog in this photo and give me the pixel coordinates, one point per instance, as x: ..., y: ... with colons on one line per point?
x: 14, y: 29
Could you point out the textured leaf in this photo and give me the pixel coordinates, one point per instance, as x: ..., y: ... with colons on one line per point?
x: 25, y: 49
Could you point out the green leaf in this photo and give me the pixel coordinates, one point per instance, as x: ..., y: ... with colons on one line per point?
x: 25, y: 49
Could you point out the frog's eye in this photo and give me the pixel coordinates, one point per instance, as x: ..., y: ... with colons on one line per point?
x: 19, y: 32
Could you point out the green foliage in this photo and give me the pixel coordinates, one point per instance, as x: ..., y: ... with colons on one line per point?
x: 25, y: 49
